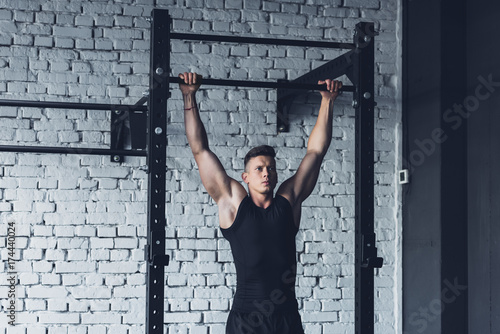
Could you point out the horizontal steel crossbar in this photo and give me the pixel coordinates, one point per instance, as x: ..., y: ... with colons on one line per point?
x: 71, y: 150
x: 72, y: 105
x: 262, y: 84
x: 257, y: 40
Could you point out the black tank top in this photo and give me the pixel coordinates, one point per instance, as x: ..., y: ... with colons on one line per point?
x: 263, y: 246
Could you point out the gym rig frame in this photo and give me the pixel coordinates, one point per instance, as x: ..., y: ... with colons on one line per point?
x: 148, y: 135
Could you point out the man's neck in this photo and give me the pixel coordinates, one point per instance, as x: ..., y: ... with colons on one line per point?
x: 262, y: 200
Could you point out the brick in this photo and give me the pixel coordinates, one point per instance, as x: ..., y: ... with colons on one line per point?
x: 101, y: 318
x: 101, y: 243
x: 362, y: 4
x: 117, y: 255
x: 28, y: 278
x: 77, y: 255
x: 183, y: 317
x: 75, y: 267
x: 47, y: 292
x: 116, y: 172
x: 129, y: 292
x: 55, y: 318
x: 74, y: 32
x: 129, y: 243
x: 99, y: 255
x: 128, y: 267
x: 5, y: 14
x: 55, y: 255
x: 90, y: 292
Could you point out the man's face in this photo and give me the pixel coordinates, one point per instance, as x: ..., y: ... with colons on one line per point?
x: 260, y: 174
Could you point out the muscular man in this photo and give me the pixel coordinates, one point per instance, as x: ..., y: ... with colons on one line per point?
x: 259, y: 226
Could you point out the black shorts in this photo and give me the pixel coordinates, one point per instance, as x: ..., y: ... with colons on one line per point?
x: 257, y: 323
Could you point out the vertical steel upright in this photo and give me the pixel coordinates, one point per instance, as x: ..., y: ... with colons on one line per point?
x: 156, y: 158
x: 365, y: 252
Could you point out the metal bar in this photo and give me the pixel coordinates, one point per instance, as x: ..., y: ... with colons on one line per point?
x: 72, y: 105
x: 156, y: 147
x: 256, y: 40
x: 263, y: 84
x: 365, y: 252
x: 142, y: 101
x: 70, y: 150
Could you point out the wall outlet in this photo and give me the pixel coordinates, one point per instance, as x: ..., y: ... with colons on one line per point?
x: 404, y: 176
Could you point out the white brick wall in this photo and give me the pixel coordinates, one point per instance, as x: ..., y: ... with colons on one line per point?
x: 81, y: 220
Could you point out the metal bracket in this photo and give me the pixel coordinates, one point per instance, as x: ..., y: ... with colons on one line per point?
x: 283, y: 107
x: 155, y: 259
x: 128, y: 129
x: 120, y: 126
x: 369, y: 257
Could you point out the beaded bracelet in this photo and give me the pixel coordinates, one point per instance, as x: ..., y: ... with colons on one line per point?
x: 186, y: 109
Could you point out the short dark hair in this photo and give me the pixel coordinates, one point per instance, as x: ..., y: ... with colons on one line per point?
x: 259, y: 150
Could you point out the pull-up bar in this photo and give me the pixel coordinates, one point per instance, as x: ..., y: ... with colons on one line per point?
x: 256, y: 40
x: 71, y: 150
x: 262, y: 84
x: 74, y: 105
x: 139, y: 106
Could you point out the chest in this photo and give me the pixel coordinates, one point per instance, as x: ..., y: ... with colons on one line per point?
x: 268, y: 229
x: 262, y: 241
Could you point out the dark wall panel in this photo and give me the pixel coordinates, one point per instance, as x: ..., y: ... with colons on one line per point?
x: 451, y: 208
x: 483, y: 78
x: 453, y: 301
x: 421, y: 222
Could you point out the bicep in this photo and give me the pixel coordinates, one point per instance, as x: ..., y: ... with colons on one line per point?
x: 214, y: 177
x: 301, y: 185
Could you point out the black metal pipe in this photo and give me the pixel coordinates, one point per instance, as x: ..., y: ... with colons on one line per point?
x: 262, y: 84
x: 155, y: 256
x: 142, y: 101
x: 74, y: 105
x: 256, y: 40
x: 70, y: 150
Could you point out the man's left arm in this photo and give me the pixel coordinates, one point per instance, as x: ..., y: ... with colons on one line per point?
x: 300, y: 186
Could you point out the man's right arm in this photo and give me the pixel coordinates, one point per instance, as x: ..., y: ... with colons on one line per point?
x: 213, y: 176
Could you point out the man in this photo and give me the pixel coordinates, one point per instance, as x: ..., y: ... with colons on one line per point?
x: 259, y: 226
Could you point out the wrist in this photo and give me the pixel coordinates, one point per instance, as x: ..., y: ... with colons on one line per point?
x: 188, y: 94
x: 186, y: 108
x: 189, y: 101
x: 328, y: 99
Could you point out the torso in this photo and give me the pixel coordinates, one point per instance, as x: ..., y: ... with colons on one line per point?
x: 228, y: 209
x: 262, y: 242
